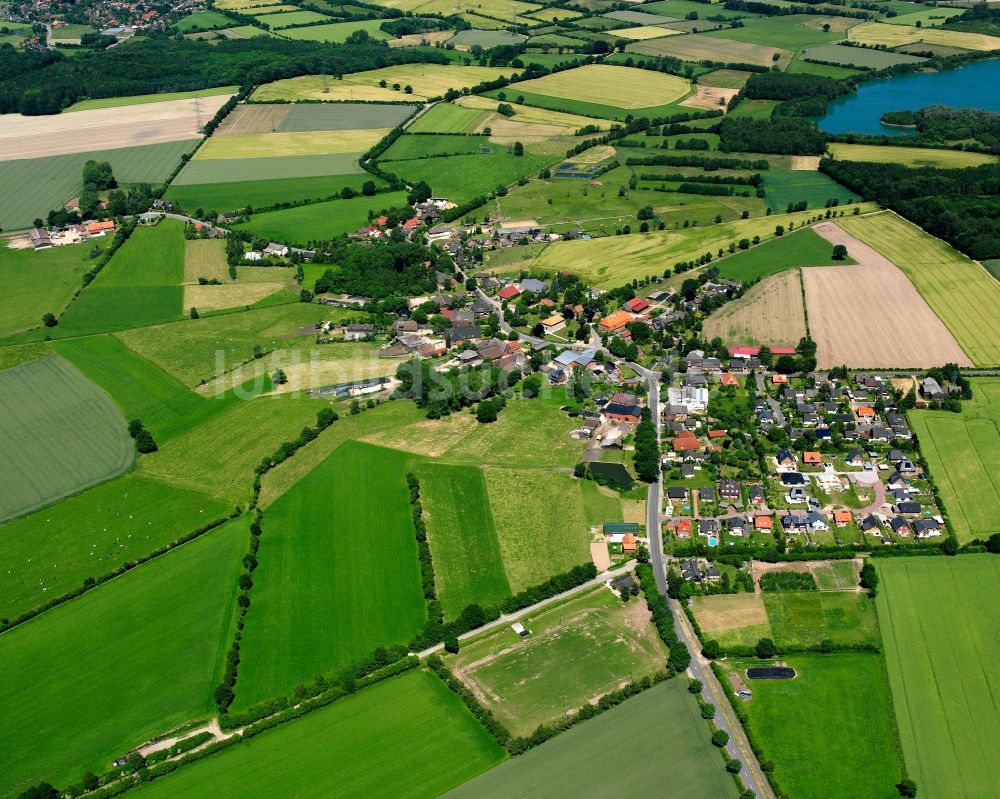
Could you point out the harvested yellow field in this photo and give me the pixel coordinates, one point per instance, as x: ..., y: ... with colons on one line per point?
x: 770, y: 313
x: 270, y: 145
x: 426, y: 80
x: 229, y: 295
x: 205, y: 258
x: 909, y: 156
x: 428, y: 37
x: 532, y: 115
x: 896, y: 35
x: 643, y: 32
x: 621, y: 87
x: 710, y: 97
x: 254, y: 118
x: 729, y: 611
x: 105, y: 128
x: 869, y: 315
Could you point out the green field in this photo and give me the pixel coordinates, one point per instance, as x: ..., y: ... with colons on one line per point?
x: 283, y: 167
x: 343, y: 116
x: 86, y: 682
x: 806, y: 618
x: 485, y: 39
x: 448, y: 118
x: 59, y: 434
x: 337, y: 32
x: 320, y: 221
x: 783, y: 32
x: 798, y: 67
x: 909, y: 156
x: 288, y: 18
x: 36, y: 282
x: 847, y: 698
x: 815, y: 188
x: 540, y: 523
x: 425, y: 739
x: 197, y: 350
x: 598, y: 506
x: 140, y: 285
x: 577, y: 651
x: 942, y: 640
x: 224, y: 197
x: 53, y: 550
x: 863, y: 57
x: 804, y: 247
x: 468, y: 565
x: 963, y: 294
x: 203, y: 21
x: 142, y: 99
x: 461, y: 178
x: 963, y: 455
x: 668, y: 746
x: 426, y: 146
x: 338, y: 573
x: 37, y: 185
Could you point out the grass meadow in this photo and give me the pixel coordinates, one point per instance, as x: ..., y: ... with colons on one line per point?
x: 448, y: 118
x: 861, y: 57
x: 425, y: 740
x: 227, y: 196
x: 338, y: 573
x: 128, y: 660
x: 37, y: 185
x: 815, y: 188
x: 203, y: 21
x: 320, y: 221
x: 24, y: 298
x: 540, y: 523
x: 803, y: 247
x: 778, y: 32
x: 50, y: 414
x: 53, y: 550
x: 909, y: 156
x: 267, y: 169
x: 963, y: 455
x: 668, y: 745
x: 468, y: 565
x: 847, y: 697
x: 141, y: 389
x: 941, y: 633
x: 464, y: 177
x: 577, y: 651
x: 140, y: 285
x: 602, y: 84
x: 805, y: 618
x: 962, y: 294
x: 426, y: 146
x: 301, y: 143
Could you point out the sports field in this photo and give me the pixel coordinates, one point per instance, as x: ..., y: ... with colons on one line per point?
x: 801, y: 248
x: 794, y: 186
x: 700, y: 46
x: 468, y: 565
x: 319, y: 221
x: 53, y: 550
x: 894, y: 35
x: 539, y: 522
x: 427, y: 80
x: 963, y: 295
x: 622, y: 87
x: 51, y: 414
x: 37, y: 185
x: 577, y: 651
x: 941, y: 632
x: 668, y: 746
x: 963, y: 455
x: 909, y: 156
x: 863, y: 57
x: 140, y: 285
x: 128, y: 660
x: 141, y: 389
x: 24, y: 298
x: 847, y: 697
x: 338, y: 573
x: 771, y: 313
x: 274, y: 145
x: 425, y: 739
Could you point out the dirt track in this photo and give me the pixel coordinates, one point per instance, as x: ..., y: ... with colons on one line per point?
x: 870, y: 315
x: 104, y: 128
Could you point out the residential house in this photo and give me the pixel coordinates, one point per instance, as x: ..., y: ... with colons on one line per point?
x: 812, y: 458
x: 926, y: 528
x: 676, y: 493
x: 756, y: 496
x: 687, y: 471
x: 763, y: 522
x: 469, y: 358
x: 855, y: 458
x: 491, y: 350
x: 629, y: 544
x: 553, y: 324
x: 509, y: 292
x: 842, y: 517
x: 729, y: 379
x: 729, y: 490
x: 900, y: 526
x: 682, y: 528
x: 737, y: 527
x: 908, y: 508
x: 785, y: 459
x: 793, y: 479
x: 461, y: 333
x: 685, y: 442
x: 870, y: 524
x: 708, y: 527
x: 706, y: 494
x: 279, y: 250
x: 358, y: 332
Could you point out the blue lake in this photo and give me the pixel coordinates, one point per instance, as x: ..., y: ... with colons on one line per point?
x: 971, y: 86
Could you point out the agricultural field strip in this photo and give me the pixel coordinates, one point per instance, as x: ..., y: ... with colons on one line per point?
x: 101, y: 129
x: 272, y: 145
x: 622, y: 87
x: 771, y: 313
x: 284, y: 167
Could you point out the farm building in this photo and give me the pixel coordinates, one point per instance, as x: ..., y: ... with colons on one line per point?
x: 39, y: 238
x: 358, y: 332
x: 615, y: 321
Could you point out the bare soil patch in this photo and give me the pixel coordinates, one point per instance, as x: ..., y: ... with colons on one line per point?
x: 870, y: 315
x: 599, y: 554
x: 710, y: 97
x: 105, y: 128
x: 804, y: 163
x: 730, y: 612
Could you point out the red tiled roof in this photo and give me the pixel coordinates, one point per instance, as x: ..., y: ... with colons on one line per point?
x: 508, y: 292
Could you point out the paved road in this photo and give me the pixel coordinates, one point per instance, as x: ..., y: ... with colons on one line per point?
x: 510, y: 618
x: 725, y: 718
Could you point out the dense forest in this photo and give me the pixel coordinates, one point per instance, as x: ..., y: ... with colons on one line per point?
x: 801, y: 95
x: 784, y: 135
x: 33, y: 83
x: 393, y: 268
x: 941, y: 124
x: 980, y: 18
x: 961, y: 206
